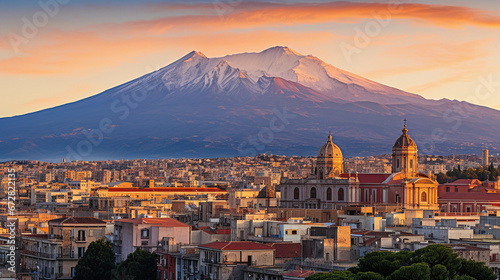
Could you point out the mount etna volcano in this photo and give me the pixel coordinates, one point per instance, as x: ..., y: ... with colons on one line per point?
x: 276, y: 101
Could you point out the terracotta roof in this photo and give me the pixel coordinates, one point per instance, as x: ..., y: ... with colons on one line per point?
x: 167, y: 189
x: 463, y: 182
x: 468, y: 196
x: 218, y: 231
x: 77, y: 220
x: 370, y: 241
x: 466, y: 247
x: 236, y: 245
x: 372, y: 233
x: 368, y: 178
x: 299, y: 273
x: 287, y: 250
x: 164, y: 222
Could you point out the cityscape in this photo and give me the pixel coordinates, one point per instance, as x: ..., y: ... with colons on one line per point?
x: 310, y: 140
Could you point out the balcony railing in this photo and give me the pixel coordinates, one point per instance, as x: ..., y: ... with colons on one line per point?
x: 209, y: 260
x: 39, y: 254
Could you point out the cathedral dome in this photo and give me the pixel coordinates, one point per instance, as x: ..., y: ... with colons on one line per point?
x: 330, y: 149
x: 404, y: 140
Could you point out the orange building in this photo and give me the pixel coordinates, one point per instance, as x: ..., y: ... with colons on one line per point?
x: 329, y: 188
x: 469, y: 196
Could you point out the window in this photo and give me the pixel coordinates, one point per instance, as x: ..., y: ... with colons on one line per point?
x: 367, y: 195
x: 341, y: 194
x: 72, y: 272
x: 313, y: 192
x: 424, y: 197
x: 81, y: 235
x: 397, y: 163
x: 145, y: 233
x: 374, y: 195
x: 447, y: 189
x: 81, y: 251
x: 411, y: 163
x: 296, y: 193
x: 456, y: 189
x: 291, y: 232
x: 91, y: 232
x: 329, y: 194
x: 398, y: 198
x: 468, y: 209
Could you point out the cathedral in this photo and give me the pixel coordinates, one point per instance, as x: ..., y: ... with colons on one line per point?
x: 329, y: 187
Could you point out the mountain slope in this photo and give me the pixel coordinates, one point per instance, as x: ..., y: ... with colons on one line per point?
x: 275, y: 101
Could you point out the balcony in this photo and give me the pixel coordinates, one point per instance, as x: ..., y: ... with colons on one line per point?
x: 51, y: 256
x: 206, y: 260
x: 67, y: 255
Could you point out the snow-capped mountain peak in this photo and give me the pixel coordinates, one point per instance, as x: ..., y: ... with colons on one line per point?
x: 284, y: 63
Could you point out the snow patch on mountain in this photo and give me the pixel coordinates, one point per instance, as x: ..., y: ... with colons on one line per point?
x: 246, y: 70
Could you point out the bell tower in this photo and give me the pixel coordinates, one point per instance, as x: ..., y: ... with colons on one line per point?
x: 405, y: 155
x: 330, y: 162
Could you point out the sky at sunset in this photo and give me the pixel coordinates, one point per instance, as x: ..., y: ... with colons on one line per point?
x: 66, y: 50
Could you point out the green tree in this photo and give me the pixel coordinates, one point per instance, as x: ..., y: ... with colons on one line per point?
x: 334, y: 275
x: 476, y: 270
x: 463, y: 277
x: 436, y: 262
x: 141, y: 265
x: 97, y: 262
x: 439, y: 272
x: 384, y: 262
x: 416, y: 271
x: 368, y: 276
x: 438, y: 254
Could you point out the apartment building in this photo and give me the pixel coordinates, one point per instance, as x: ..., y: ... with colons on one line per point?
x: 147, y: 234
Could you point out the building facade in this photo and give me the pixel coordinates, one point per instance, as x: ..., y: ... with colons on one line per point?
x: 329, y: 187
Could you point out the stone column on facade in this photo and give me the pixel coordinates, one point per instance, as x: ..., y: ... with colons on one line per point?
x: 415, y: 196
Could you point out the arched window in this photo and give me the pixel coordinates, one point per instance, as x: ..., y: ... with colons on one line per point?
x: 341, y: 194
x: 296, y: 193
x: 313, y: 192
x: 424, y: 197
x: 329, y: 194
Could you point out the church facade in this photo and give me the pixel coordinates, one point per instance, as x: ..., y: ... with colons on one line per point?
x: 330, y: 187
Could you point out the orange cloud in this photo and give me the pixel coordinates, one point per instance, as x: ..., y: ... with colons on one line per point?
x: 252, y: 15
x: 77, y: 52
x: 435, y: 55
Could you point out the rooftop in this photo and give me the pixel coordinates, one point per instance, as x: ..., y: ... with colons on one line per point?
x: 236, y: 245
x: 164, y: 222
x: 77, y: 220
x: 287, y: 249
x: 165, y: 189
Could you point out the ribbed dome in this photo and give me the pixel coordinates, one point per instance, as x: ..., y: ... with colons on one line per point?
x: 330, y: 149
x: 404, y: 140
